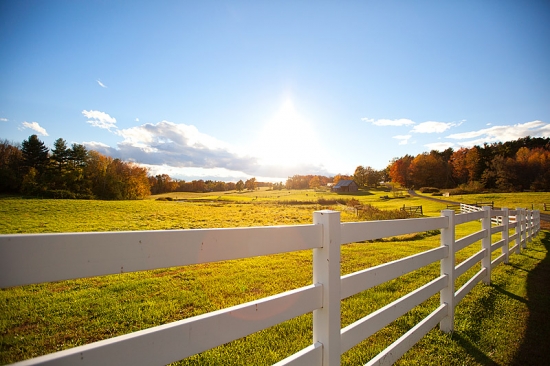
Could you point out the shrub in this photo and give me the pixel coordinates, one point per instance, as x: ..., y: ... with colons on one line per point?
x: 429, y: 190
x: 60, y: 194
x: 371, y: 213
x: 469, y: 188
x: 326, y: 201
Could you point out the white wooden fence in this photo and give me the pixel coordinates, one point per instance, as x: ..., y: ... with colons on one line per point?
x: 36, y: 258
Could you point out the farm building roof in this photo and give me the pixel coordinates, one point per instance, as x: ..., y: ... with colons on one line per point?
x: 344, y: 183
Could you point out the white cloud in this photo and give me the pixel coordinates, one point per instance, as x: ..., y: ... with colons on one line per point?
x: 503, y: 133
x: 478, y: 142
x: 432, y: 127
x: 403, y: 139
x: 101, y: 84
x: 4, y: 119
x: 176, y: 145
x: 424, y: 127
x: 137, y: 119
x: 440, y: 146
x: 196, y: 173
x: 191, y: 153
x: 36, y: 127
x: 389, y: 122
x: 100, y: 119
x: 166, y: 132
x: 94, y: 145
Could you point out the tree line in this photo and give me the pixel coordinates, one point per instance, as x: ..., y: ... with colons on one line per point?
x: 163, y: 183
x: 518, y: 165
x: 30, y: 168
x: 68, y: 172
x: 73, y: 171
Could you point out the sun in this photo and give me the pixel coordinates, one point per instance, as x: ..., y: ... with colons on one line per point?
x: 287, y: 139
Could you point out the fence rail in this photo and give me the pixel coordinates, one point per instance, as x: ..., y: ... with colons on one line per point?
x: 68, y: 256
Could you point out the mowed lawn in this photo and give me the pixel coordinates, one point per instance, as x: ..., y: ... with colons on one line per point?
x: 504, y: 323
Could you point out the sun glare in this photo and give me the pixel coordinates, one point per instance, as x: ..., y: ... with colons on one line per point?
x: 287, y: 139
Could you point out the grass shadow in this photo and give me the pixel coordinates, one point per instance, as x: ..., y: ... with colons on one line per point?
x: 473, y: 350
x: 536, y: 342
x: 510, y: 294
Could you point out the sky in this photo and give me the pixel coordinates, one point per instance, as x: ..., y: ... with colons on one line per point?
x: 229, y: 90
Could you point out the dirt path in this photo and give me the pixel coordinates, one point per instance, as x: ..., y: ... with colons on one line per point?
x: 414, y: 194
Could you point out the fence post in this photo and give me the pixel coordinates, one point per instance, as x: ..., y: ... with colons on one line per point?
x: 506, y: 234
x: 326, y: 270
x: 447, y: 268
x: 523, y: 228
x: 538, y: 220
x: 486, y: 244
x: 528, y: 226
x: 518, y: 231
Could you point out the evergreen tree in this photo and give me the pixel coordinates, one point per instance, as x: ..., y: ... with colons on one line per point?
x: 60, y: 155
x: 35, y: 154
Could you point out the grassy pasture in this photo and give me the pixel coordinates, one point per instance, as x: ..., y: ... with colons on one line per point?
x: 494, y: 324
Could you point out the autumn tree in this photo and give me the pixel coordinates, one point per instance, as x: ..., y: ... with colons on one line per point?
x: 399, y: 171
x: 162, y: 183
x: 359, y: 176
x: 298, y: 182
x: 96, y: 173
x: 539, y: 162
x: 250, y: 184
x: 10, y: 167
x: 428, y: 170
x: 473, y: 164
x: 137, y: 185
x: 532, y: 168
x: 466, y: 165
x: 373, y: 177
x: 240, y: 185
x: 315, y: 182
x: 458, y: 163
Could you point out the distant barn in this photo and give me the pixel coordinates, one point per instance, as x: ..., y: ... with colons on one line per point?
x: 345, y: 186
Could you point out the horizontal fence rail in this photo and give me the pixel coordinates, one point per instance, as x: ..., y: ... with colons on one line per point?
x: 76, y: 255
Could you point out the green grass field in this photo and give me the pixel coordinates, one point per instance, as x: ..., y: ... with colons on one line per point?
x: 496, y: 324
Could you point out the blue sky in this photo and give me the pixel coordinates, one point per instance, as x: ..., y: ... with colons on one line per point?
x: 229, y: 90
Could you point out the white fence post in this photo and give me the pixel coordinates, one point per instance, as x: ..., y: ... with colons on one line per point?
x: 523, y: 228
x: 528, y: 226
x: 518, y: 230
x: 326, y: 270
x: 447, y: 268
x: 486, y: 244
x: 506, y: 234
x: 538, y: 221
